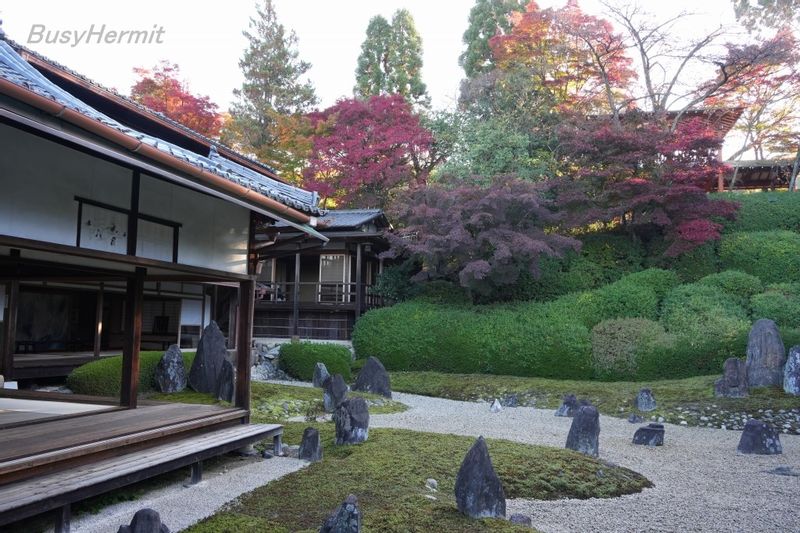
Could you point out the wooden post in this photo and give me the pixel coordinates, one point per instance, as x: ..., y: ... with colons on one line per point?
x: 10, y: 326
x: 196, y: 475
x: 359, y: 288
x: 246, y: 306
x: 133, y: 215
x: 63, y: 518
x: 98, y: 321
x: 133, y: 340
x: 296, y: 297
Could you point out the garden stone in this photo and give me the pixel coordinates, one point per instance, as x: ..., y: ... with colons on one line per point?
x: 791, y: 372
x: 766, y: 355
x: 145, y: 521
x: 645, y: 401
x: 431, y: 484
x: 352, y: 421
x: 170, y: 371
x: 479, y: 493
x: 584, y: 434
x: 310, y: 446
x: 649, y: 435
x: 334, y: 392
x: 511, y: 400
x: 225, y: 384
x: 633, y: 418
x: 373, y: 378
x: 320, y: 375
x: 759, y: 438
x: 345, y: 519
x: 733, y: 383
x: 496, y: 407
x: 207, y: 365
x: 568, y: 406
x: 521, y: 519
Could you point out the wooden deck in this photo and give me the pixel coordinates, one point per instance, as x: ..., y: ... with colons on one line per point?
x: 53, y: 364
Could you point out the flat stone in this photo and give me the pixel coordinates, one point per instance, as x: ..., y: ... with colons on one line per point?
x: 310, y: 446
x: 352, y: 421
x: 791, y: 372
x: 207, y: 365
x: 733, y: 383
x: 759, y: 438
x: 226, y: 382
x: 766, y: 355
x: 320, y: 375
x: 334, y: 392
x: 649, y: 435
x: 633, y: 418
x: 170, y: 373
x: 645, y: 401
x: 373, y: 378
x: 584, y: 434
x: 479, y: 492
x: 345, y: 519
x: 145, y: 521
x: 521, y: 519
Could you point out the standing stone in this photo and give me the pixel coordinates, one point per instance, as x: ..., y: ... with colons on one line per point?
x: 345, y: 519
x: 584, y: 434
x: 225, y: 382
x: 495, y: 407
x: 759, y: 438
x: 791, y: 372
x: 373, y: 378
x: 733, y: 383
x: 650, y: 435
x: 145, y: 521
x: 320, y: 375
x: 352, y: 421
x: 207, y: 365
x: 568, y: 406
x: 479, y: 493
x: 170, y: 372
x: 310, y: 446
x: 334, y: 392
x: 645, y: 401
x: 766, y: 355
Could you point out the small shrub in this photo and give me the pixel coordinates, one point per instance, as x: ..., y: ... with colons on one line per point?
x: 780, y: 302
x: 772, y: 256
x: 394, y: 283
x: 763, y: 211
x: 298, y: 359
x: 739, y: 286
x: 618, y: 344
x: 690, y: 266
x: 104, y: 376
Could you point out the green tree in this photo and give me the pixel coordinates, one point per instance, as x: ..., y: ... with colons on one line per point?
x: 373, y: 63
x: 487, y: 18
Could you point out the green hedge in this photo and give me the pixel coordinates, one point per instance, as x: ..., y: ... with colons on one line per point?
x: 621, y: 346
x: 298, y: 359
x: 738, y: 286
x: 763, y: 211
x: 772, y: 256
x: 104, y: 376
x: 780, y: 302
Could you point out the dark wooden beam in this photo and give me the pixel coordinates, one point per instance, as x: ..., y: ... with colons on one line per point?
x: 133, y: 340
x: 359, y: 285
x: 133, y: 213
x: 245, y: 341
x: 10, y: 326
x: 296, y: 297
x: 98, y: 320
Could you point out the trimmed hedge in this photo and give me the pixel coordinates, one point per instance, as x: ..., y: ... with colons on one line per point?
x: 740, y: 287
x: 104, y: 377
x: 619, y: 346
x: 763, y: 211
x: 780, y: 302
x: 772, y: 256
x: 298, y: 359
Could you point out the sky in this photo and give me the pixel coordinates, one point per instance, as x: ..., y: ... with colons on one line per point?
x: 205, y: 38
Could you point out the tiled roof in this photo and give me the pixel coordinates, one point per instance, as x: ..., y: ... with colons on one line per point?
x: 16, y: 70
x: 347, y: 218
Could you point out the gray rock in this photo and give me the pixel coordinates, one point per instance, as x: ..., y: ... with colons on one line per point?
x: 207, y: 365
x: 759, y: 438
x: 521, y: 519
x: 170, y: 372
x: 345, y: 519
x: 649, y: 435
x: 352, y: 421
x: 510, y: 400
x: 225, y: 382
x: 320, y: 375
x: 733, y: 383
x: 783, y: 471
x: 145, y: 521
x: 310, y: 446
x: 373, y: 378
x: 584, y: 434
x: 431, y: 484
x: 791, y: 372
x: 568, y: 406
x: 766, y: 355
x: 633, y: 418
x: 645, y: 401
x: 495, y: 407
x: 334, y: 392
x: 479, y: 493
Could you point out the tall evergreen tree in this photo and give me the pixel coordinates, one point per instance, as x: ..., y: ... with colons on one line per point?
x: 487, y: 18
x: 373, y: 63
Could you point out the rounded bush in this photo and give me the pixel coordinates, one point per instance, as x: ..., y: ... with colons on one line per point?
x: 618, y: 344
x: 690, y: 266
x: 704, y: 313
x: 780, y: 302
x: 772, y: 256
x: 298, y: 359
x: 737, y: 285
x: 104, y: 376
x: 763, y: 211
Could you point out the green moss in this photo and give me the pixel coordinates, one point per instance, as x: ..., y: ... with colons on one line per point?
x: 104, y: 376
x: 298, y: 359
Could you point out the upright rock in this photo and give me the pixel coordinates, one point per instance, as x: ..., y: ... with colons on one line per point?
x: 791, y: 372
x: 320, y: 375
x: 373, y: 378
x: 495, y: 407
x: 766, y: 355
x: 207, y: 365
x: 645, y: 401
x: 145, y: 521
x: 568, y: 406
x: 352, y: 421
x: 170, y: 371
x: 334, y: 392
x: 733, y: 383
x: 226, y: 382
x: 584, y: 434
x: 759, y: 438
x: 310, y: 446
x: 345, y: 519
x: 650, y: 435
x: 479, y: 493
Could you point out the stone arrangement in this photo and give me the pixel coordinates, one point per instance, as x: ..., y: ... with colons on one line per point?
x: 320, y: 375
x: 226, y: 382
x: 568, y: 406
x: 584, y: 434
x: 310, y: 446
x: 373, y: 378
x: 145, y: 521
x: 766, y: 355
x: 645, y: 401
x: 733, y: 383
x: 479, y: 493
x: 352, y: 421
x: 170, y: 371
x: 650, y: 435
x: 345, y: 519
x: 207, y: 365
x: 759, y: 438
x: 791, y: 372
x: 334, y: 392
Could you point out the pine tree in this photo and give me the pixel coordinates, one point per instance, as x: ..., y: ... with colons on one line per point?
x: 487, y: 18
x: 371, y: 73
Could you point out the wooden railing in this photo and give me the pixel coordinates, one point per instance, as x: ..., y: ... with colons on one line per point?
x: 314, y: 292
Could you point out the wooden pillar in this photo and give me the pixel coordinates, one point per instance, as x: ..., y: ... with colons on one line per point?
x: 133, y: 215
x: 10, y: 327
x: 247, y: 298
x: 98, y: 320
x: 133, y: 339
x: 359, y: 285
x: 296, y: 297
